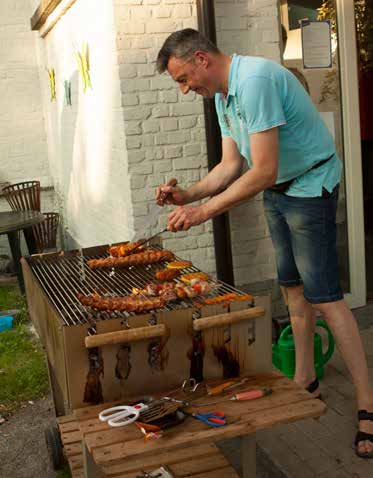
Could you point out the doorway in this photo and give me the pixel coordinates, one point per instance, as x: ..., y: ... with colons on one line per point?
x: 334, y: 91
x: 364, y: 43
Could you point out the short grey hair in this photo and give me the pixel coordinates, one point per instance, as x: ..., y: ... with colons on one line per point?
x: 183, y: 44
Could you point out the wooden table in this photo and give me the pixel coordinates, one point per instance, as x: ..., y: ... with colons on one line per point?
x: 118, y: 452
x: 11, y: 222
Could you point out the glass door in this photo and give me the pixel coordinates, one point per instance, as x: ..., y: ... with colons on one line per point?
x: 334, y: 91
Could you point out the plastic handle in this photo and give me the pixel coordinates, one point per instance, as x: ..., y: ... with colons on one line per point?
x: 287, y: 331
x: 252, y: 394
x: 330, y: 350
x: 122, y: 415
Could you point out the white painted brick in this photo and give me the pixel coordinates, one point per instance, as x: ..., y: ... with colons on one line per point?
x: 162, y: 166
x: 154, y: 153
x: 146, y: 70
x: 151, y: 126
x: 148, y: 97
x: 186, y: 164
x: 132, y: 56
x: 142, y: 42
x: 186, y: 109
x: 190, y: 23
x: 148, y: 140
x: 173, y: 137
x: 188, y: 98
x: 129, y: 2
x: 140, y: 112
x: 192, y: 149
x: 140, y: 13
x: 169, y: 96
x: 127, y: 71
x: 194, y: 175
x: 162, y: 83
x: 161, y: 26
x: 138, y: 181
x: 205, y: 240
x: 140, y: 195
x: 129, y: 99
x: 133, y: 142
x: 132, y: 85
x: 156, y: 180
x: 169, y: 124
x: 135, y: 156
x: 160, y: 111
x: 144, y: 168
x: 186, y: 123
x: 182, y: 11
x: 173, y: 151
x: 133, y: 127
x: 133, y: 27
x: 162, y: 12
x: 140, y: 209
x: 123, y: 43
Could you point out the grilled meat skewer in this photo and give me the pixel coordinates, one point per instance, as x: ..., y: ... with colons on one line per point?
x: 124, y: 250
x: 127, y: 303
x: 142, y: 258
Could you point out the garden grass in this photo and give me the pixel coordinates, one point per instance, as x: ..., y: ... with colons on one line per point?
x: 23, y: 372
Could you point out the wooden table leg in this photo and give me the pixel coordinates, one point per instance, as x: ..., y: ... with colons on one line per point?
x: 15, y: 247
x: 91, y: 470
x: 30, y: 240
x: 248, y: 456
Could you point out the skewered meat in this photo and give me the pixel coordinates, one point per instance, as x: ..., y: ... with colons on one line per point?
x: 143, y: 258
x: 173, y: 290
x: 129, y: 303
x: 167, y: 274
x: 124, y: 250
x: 187, y: 278
x: 179, y: 265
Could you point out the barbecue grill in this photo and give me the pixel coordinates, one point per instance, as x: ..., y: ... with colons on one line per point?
x: 123, y: 354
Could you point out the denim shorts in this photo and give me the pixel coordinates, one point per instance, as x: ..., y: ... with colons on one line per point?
x: 303, y: 232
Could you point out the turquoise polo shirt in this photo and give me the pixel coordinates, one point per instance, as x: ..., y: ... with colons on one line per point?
x: 262, y: 95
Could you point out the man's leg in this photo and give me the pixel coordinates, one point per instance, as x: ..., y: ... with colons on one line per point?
x: 343, y: 325
x: 302, y: 316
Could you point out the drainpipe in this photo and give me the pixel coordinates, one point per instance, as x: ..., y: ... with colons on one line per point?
x: 221, y: 229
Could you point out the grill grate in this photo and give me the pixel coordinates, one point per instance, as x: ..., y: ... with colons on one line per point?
x: 62, y: 277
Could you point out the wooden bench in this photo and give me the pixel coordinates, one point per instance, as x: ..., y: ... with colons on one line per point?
x: 190, y: 448
x: 197, y: 461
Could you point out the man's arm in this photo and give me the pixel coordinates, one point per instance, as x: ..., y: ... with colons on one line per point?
x: 263, y: 174
x: 216, y: 180
x: 221, y: 175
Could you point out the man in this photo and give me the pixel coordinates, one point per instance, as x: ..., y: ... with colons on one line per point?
x: 267, y: 118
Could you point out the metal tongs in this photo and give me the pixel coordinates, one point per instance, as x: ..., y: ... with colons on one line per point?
x: 155, y: 207
x: 141, y: 243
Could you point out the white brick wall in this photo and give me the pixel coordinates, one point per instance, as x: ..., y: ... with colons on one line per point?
x: 249, y: 28
x: 134, y: 129
x: 165, y: 129
x: 23, y: 149
x: 87, y: 142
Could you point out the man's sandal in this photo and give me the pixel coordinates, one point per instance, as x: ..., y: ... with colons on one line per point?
x: 312, y: 387
x: 363, y: 436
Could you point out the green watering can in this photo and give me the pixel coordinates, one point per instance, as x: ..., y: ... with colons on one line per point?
x: 283, y: 353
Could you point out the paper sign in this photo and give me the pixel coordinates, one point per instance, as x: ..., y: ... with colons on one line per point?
x: 316, y: 44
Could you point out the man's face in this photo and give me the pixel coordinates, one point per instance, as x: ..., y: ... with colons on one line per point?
x: 192, y: 75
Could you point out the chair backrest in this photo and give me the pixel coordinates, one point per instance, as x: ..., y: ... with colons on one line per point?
x: 23, y: 196
x: 45, y: 233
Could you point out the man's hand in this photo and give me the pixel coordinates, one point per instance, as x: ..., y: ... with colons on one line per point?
x: 170, y: 193
x: 184, y: 217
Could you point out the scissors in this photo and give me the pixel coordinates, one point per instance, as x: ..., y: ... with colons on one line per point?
x: 214, y: 419
x: 122, y: 415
